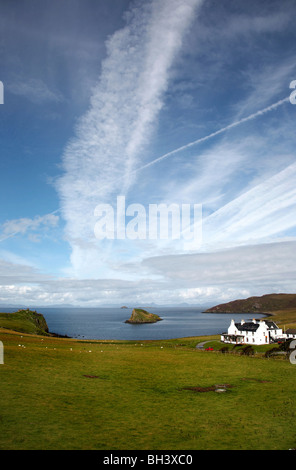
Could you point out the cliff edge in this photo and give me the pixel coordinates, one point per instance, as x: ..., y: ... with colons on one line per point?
x: 25, y: 321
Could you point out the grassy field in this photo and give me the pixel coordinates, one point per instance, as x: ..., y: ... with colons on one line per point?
x: 285, y: 318
x: 69, y: 394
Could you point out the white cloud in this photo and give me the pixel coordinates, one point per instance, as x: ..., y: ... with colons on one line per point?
x: 202, y: 278
x: 124, y: 108
x: 242, y: 24
x: 16, y: 271
x: 35, y: 90
x: 23, y: 225
x: 264, y: 83
x: 266, y: 210
x: 247, y: 266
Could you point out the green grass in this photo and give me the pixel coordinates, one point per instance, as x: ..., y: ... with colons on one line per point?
x: 142, y: 316
x: 24, y: 321
x: 237, y: 349
x: 285, y: 318
x: 137, y: 398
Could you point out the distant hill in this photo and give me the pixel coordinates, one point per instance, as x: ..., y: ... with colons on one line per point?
x: 264, y: 304
x: 140, y: 315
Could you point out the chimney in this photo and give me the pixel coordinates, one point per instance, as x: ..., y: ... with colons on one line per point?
x: 242, y: 322
x: 254, y: 320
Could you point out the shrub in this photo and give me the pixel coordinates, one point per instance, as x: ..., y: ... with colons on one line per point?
x: 271, y: 352
x: 247, y: 351
x: 285, y: 346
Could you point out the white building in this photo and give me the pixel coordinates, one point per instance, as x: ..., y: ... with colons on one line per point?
x: 290, y: 333
x: 254, y: 332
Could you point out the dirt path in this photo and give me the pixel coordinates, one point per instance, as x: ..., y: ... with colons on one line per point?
x: 201, y: 345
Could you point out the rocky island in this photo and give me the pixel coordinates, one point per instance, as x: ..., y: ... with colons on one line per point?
x: 140, y: 316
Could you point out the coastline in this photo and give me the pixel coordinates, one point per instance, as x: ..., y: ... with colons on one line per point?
x: 57, y: 335
x: 265, y: 314
x: 172, y: 338
x: 183, y: 327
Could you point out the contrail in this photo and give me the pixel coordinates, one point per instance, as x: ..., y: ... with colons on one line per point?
x: 213, y: 134
x: 191, y: 144
x: 202, y: 139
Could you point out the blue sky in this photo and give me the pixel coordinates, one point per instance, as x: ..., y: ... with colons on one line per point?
x: 161, y: 101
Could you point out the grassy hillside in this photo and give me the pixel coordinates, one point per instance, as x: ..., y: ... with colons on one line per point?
x: 140, y: 315
x: 25, y: 321
x: 266, y: 303
x: 70, y: 394
x: 271, y: 303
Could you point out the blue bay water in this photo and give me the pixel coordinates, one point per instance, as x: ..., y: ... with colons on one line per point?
x: 109, y: 323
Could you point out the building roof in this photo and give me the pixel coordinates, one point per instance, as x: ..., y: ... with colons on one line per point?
x: 271, y: 325
x: 247, y: 326
x: 251, y: 326
x: 291, y: 331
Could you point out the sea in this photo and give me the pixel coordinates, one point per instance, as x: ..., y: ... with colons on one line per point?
x: 109, y: 323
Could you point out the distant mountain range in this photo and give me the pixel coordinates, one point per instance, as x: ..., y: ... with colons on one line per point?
x: 264, y: 304
x: 36, y: 307
x: 129, y: 305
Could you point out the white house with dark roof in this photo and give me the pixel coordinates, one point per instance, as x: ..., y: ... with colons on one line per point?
x: 290, y: 333
x: 254, y: 332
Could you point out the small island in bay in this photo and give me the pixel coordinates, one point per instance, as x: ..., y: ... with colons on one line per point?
x: 140, y: 315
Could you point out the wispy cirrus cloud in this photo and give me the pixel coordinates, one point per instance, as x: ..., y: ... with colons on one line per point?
x: 26, y: 225
x: 111, y: 136
x: 35, y: 90
x: 266, y: 210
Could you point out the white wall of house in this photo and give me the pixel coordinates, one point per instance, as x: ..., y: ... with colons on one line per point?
x: 263, y: 334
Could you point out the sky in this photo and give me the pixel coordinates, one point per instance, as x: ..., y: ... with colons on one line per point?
x: 179, y: 103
